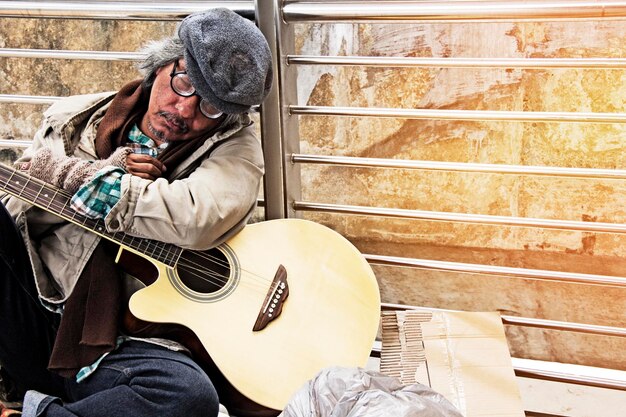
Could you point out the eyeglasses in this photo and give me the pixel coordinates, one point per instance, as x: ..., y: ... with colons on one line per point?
x: 181, y: 85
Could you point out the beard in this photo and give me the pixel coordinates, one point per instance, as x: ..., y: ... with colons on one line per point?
x: 162, y: 135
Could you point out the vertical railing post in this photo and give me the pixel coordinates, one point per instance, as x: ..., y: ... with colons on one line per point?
x: 280, y: 131
x: 266, y: 15
x: 290, y: 123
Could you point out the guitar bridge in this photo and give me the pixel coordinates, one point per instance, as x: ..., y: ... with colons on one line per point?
x: 273, y: 304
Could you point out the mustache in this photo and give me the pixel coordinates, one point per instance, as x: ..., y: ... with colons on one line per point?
x: 179, y: 122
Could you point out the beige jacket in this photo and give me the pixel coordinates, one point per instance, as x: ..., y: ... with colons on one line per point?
x: 209, y: 199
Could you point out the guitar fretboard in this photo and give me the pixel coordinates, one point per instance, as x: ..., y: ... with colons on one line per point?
x: 57, y: 201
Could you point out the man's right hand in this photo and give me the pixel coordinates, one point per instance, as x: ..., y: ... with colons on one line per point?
x: 144, y: 166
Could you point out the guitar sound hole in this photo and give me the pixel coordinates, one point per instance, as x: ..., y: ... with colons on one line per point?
x: 204, y: 272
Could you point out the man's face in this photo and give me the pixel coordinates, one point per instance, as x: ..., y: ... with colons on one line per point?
x: 171, y: 117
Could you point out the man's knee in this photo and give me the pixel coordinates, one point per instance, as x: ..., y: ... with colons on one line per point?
x: 202, y: 398
x: 195, y: 394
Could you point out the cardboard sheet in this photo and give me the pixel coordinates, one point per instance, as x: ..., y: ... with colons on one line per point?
x: 462, y: 355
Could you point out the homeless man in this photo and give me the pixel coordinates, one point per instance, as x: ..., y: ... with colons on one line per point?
x: 172, y: 157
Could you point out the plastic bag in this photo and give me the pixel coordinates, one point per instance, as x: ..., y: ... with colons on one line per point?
x: 352, y: 392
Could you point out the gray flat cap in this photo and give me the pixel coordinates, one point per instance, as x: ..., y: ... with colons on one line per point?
x: 228, y: 59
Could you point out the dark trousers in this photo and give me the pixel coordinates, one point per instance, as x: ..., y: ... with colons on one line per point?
x: 27, y: 328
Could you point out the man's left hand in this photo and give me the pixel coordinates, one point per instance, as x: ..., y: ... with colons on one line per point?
x: 144, y: 166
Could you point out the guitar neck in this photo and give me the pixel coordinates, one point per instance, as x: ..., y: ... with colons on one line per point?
x: 57, y: 201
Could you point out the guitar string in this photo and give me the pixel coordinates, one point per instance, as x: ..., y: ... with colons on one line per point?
x: 152, y: 246
x: 262, y: 280
x: 221, y: 279
x: 255, y: 279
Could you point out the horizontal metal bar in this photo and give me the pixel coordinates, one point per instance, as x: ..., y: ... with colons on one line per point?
x: 568, y: 378
x: 118, y: 10
x: 469, y: 115
x: 529, y: 322
x: 526, y: 63
x: 459, y: 167
x: 564, y: 326
x: 307, y: 11
x: 24, y: 99
x: 462, y: 217
x: 15, y: 143
x: 68, y: 54
x: 537, y: 274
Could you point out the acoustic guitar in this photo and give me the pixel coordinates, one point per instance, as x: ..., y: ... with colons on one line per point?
x: 272, y: 306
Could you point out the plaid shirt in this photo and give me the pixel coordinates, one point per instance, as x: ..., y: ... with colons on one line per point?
x: 97, y: 197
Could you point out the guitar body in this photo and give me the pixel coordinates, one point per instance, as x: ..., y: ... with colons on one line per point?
x: 330, y: 315
x: 272, y: 306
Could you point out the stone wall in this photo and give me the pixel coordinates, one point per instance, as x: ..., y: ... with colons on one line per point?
x: 584, y: 145
x: 59, y: 77
x: 520, y: 143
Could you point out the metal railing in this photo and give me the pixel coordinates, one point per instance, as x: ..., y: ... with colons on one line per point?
x: 281, y: 112
x: 427, y: 62
x: 470, y: 115
x: 449, y: 11
x: 118, y: 10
